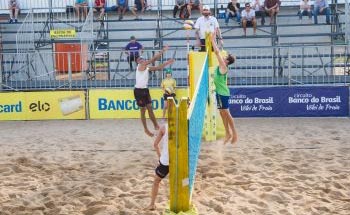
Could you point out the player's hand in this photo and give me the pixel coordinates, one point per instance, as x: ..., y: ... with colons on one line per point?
x: 221, y: 43
x: 170, y: 61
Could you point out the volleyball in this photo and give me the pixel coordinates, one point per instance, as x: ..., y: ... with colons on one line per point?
x: 188, y: 25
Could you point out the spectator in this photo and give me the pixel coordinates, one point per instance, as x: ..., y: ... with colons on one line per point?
x: 305, y: 9
x: 122, y: 7
x: 258, y: 6
x: 233, y: 11
x: 272, y: 7
x: 139, y: 5
x: 168, y: 86
x: 179, y: 6
x: 206, y: 24
x: 248, y: 19
x: 100, y: 7
x: 321, y: 7
x: 133, y: 50
x: 194, y: 5
x: 81, y: 5
x: 14, y: 9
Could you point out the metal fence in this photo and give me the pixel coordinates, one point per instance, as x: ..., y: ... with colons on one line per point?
x: 153, y: 4
x: 254, y: 66
x: 43, y: 5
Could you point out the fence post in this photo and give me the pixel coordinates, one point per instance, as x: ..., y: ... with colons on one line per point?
x: 1, y: 56
x: 347, y: 23
x: 289, y: 66
x: 302, y: 61
x: 69, y: 70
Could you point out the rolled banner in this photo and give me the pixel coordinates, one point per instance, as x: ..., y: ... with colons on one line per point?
x: 70, y: 104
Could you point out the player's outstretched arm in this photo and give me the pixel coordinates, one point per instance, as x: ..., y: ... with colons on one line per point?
x: 222, y: 64
x: 158, y: 55
x: 160, y: 67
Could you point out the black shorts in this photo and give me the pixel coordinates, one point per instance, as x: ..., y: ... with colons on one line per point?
x: 165, y: 96
x: 250, y: 24
x: 162, y: 170
x: 131, y: 58
x: 142, y: 97
x: 98, y: 9
x: 222, y: 101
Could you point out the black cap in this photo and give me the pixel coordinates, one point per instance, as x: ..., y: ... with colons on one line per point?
x: 132, y: 38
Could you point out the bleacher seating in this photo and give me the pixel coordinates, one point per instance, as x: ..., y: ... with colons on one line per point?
x: 288, y: 31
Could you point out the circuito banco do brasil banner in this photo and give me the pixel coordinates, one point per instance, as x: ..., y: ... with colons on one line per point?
x: 115, y: 103
x: 315, y: 101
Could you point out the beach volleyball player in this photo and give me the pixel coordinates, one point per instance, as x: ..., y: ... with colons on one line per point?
x: 141, y: 91
x: 162, y: 169
x: 223, y: 92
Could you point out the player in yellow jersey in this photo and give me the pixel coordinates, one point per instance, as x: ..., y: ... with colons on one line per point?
x: 168, y: 86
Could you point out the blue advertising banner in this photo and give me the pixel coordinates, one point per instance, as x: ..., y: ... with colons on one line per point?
x: 316, y: 101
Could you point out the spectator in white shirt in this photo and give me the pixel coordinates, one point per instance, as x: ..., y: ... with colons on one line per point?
x: 248, y: 19
x: 206, y: 24
x: 258, y: 6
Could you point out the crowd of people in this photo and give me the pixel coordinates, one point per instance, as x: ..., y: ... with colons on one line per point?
x: 183, y: 9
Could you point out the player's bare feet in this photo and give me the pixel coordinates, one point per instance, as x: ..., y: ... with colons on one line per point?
x: 149, y: 133
x: 150, y: 208
x: 227, y: 138
x: 234, y: 138
x: 156, y: 127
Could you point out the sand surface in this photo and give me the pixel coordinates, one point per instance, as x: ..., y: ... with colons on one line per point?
x: 283, y: 166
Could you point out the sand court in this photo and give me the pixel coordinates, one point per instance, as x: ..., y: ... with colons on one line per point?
x: 279, y: 166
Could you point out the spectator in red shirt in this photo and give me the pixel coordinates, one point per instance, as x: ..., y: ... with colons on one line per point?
x: 272, y: 7
x: 100, y: 7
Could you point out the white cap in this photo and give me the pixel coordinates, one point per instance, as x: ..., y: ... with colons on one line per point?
x: 206, y: 7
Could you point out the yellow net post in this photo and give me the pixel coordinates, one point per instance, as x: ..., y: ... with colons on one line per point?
x: 172, y: 130
x: 178, y: 156
x: 191, y: 74
x: 183, y: 171
x: 210, y: 115
x: 208, y: 48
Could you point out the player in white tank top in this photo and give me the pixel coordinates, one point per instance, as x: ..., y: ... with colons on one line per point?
x: 141, y: 92
x: 162, y: 169
x: 142, y: 78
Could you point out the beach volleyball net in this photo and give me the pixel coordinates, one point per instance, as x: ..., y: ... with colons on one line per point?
x: 185, y: 135
x: 196, y: 115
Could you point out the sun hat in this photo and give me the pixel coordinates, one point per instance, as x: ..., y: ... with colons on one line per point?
x: 168, y: 71
x: 206, y: 7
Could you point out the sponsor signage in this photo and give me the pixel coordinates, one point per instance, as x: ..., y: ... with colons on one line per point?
x: 63, y: 33
x: 42, y: 105
x: 317, y: 101
x: 106, y: 104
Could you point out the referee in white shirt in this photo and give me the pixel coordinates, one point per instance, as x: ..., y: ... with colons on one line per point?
x: 206, y: 24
